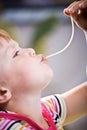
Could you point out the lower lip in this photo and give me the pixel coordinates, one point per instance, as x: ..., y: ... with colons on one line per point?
x: 45, y: 62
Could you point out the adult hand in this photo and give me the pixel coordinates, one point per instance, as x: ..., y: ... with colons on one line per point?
x: 78, y: 11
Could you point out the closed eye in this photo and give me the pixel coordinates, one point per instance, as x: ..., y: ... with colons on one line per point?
x: 16, y: 54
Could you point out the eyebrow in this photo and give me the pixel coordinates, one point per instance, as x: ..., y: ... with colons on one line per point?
x: 13, y: 47
x: 9, y: 47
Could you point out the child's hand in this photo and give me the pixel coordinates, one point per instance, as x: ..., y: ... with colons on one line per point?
x: 78, y: 10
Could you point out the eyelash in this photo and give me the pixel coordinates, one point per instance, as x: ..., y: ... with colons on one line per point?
x: 16, y: 54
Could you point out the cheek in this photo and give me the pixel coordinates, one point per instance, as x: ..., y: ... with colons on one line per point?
x: 30, y: 74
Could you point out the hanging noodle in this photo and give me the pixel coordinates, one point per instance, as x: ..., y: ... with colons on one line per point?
x: 71, y: 38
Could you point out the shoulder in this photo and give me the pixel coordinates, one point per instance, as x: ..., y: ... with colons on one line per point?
x: 57, y: 107
x: 7, y: 123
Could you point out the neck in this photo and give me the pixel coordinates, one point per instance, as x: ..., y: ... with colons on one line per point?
x: 28, y: 105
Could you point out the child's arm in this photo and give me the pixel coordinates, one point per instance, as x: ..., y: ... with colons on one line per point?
x: 78, y: 11
x: 76, y: 99
x: 76, y: 103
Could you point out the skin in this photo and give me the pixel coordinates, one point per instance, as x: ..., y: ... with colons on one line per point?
x: 76, y: 102
x: 78, y: 11
x: 23, y: 75
x: 77, y: 106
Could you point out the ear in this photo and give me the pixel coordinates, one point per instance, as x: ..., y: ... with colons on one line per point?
x: 5, y: 95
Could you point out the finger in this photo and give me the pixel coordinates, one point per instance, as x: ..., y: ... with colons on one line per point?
x: 73, y: 10
x: 75, y: 7
x: 83, y: 4
x: 66, y: 10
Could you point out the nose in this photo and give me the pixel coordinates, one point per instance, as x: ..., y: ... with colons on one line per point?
x: 31, y: 51
x: 28, y: 51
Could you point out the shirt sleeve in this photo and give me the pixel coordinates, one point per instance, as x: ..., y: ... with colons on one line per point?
x: 57, y: 108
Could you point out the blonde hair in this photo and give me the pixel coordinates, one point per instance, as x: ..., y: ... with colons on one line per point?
x: 5, y: 35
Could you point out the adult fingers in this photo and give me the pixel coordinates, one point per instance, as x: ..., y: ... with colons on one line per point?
x: 67, y: 10
x: 83, y: 4
x: 73, y: 8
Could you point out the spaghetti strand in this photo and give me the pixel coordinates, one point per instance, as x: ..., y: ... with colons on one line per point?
x: 71, y: 38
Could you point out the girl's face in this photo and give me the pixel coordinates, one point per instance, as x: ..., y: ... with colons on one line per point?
x: 22, y: 69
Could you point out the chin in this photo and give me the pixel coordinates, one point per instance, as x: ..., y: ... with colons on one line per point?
x: 50, y: 73
x: 48, y: 78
